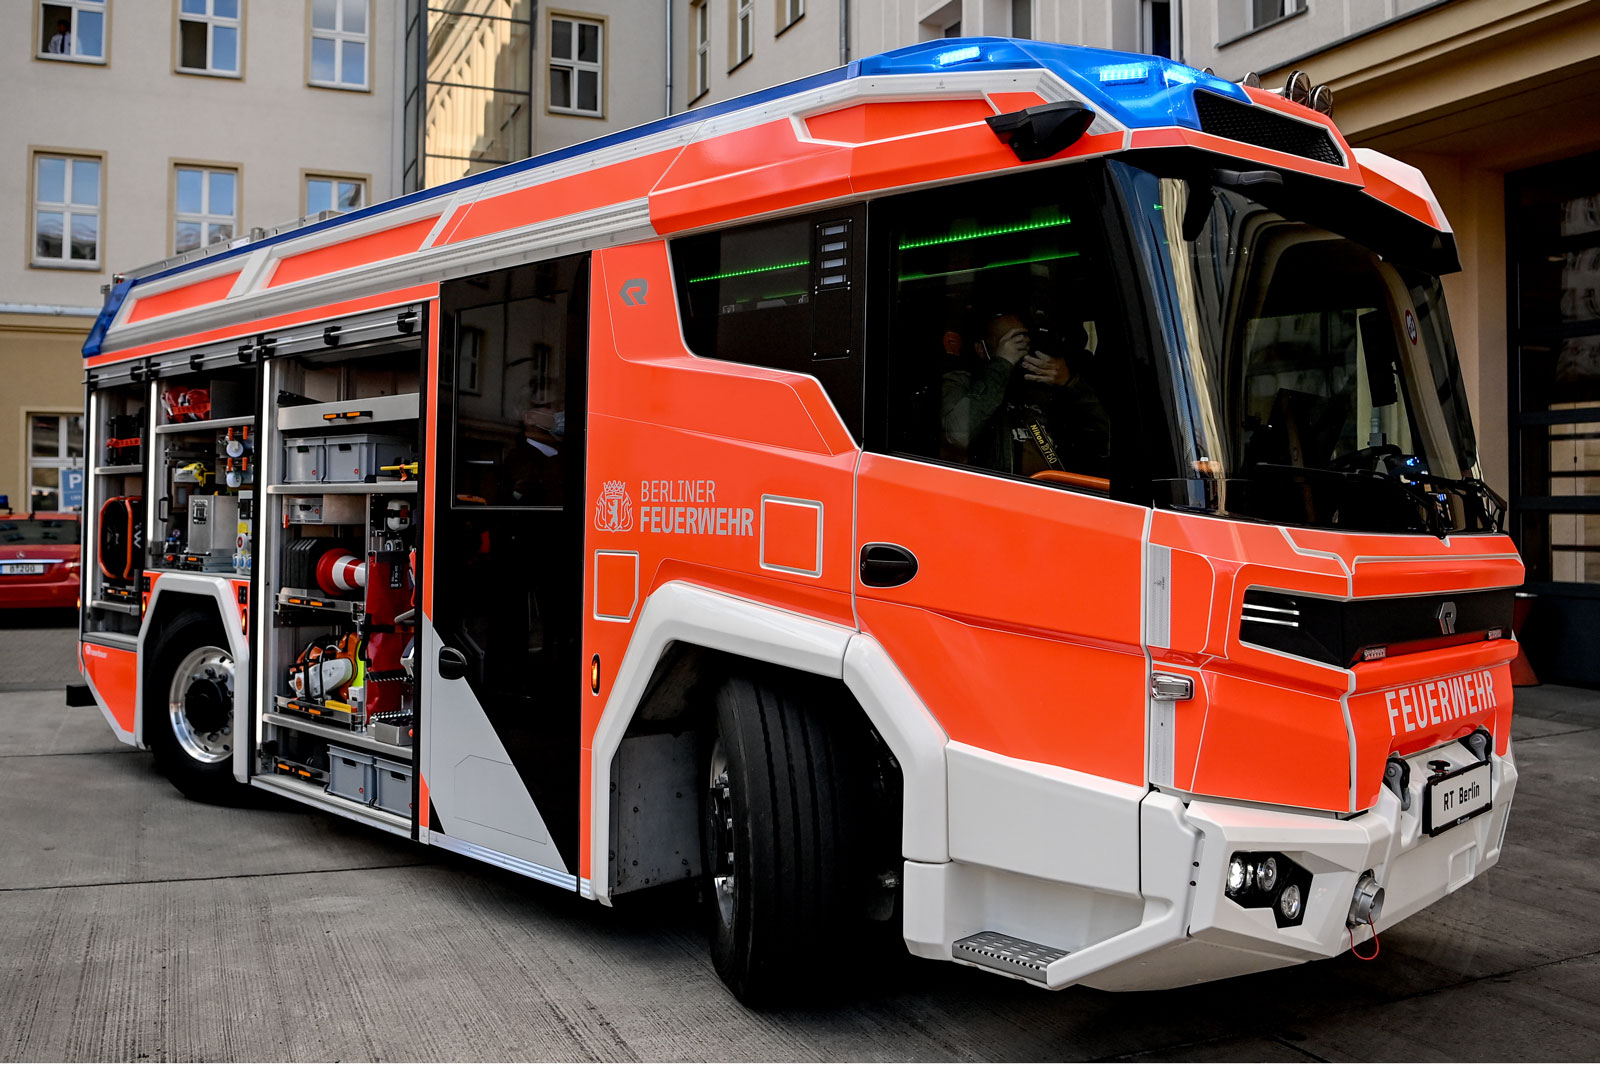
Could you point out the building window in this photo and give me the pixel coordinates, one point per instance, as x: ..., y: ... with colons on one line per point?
x: 576, y: 74
x: 469, y: 89
x: 1156, y: 28
x: 1022, y: 18
x: 339, y: 43
x: 789, y: 12
x: 55, y: 446
x: 66, y: 211
x: 209, y: 37
x: 744, y: 30
x: 701, y: 17
x: 332, y: 193
x: 1235, y: 18
x: 73, y: 29
x: 206, y: 207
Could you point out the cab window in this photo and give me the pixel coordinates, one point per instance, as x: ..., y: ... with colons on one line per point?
x: 1003, y: 353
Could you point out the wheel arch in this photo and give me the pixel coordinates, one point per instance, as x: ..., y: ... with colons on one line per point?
x: 173, y: 594
x: 688, y: 636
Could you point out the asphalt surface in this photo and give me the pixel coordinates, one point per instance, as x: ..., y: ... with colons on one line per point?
x: 137, y: 925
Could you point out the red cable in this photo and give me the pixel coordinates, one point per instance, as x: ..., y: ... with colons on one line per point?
x: 1376, y: 948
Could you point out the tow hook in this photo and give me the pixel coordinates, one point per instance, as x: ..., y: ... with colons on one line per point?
x: 1367, y: 902
x: 1397, y: 776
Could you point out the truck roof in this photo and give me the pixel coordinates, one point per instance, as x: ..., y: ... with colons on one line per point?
x: 913, y: 116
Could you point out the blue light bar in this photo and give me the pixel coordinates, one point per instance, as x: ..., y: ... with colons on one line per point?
x: 1124, y: 73
x: 958, y: 55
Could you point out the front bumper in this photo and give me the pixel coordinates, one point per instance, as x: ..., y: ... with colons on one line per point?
x: 1388, y: 840
x: 1154, y: 914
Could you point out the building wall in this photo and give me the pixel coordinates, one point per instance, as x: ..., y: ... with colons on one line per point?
x: 139, y: 115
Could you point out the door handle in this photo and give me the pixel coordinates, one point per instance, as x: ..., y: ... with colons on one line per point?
x: 452, y: 664
x: 884, y: 566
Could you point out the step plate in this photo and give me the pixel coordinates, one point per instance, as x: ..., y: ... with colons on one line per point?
x: 1002, y: 952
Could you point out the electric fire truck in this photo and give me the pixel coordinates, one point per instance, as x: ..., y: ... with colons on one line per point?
x: 1014, y: 496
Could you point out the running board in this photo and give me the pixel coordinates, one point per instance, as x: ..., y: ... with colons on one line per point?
x: 1002, y: 952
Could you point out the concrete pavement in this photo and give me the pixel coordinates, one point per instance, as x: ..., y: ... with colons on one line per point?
x: 135, y: 924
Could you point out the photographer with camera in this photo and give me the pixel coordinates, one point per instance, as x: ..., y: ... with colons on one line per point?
x: 1020, y: 409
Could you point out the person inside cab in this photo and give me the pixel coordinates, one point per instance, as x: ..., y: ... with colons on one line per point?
x: 1018, y: 402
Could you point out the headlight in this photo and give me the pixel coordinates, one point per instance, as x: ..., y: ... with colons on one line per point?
x: 1269, y: 880
x: 1267, y: 874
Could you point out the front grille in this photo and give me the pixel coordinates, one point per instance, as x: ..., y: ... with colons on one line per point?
x: 1265, y: 127
x: 1346, y: 632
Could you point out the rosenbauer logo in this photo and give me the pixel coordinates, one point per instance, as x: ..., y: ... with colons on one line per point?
x: 613, y: 512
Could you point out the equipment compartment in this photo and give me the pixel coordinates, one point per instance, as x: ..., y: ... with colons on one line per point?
x: 392, y: 784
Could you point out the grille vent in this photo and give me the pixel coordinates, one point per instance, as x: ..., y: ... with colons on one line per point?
x: 1264, y: 127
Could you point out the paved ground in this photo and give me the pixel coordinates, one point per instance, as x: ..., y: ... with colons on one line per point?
x: 136, y: 925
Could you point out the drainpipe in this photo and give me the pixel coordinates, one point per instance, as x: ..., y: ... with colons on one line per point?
x: 669, y: 57
x: 844, y: 32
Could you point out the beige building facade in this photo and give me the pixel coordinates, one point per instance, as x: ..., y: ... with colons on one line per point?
x: 136, y: 129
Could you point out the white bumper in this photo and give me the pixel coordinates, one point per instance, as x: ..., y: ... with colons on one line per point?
x: 1180, y: 927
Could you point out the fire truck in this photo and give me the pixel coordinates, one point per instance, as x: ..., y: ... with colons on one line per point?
x: 1013, y: 499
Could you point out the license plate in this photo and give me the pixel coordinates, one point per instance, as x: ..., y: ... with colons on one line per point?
x: 21, y: 568
x: 1454, y: 798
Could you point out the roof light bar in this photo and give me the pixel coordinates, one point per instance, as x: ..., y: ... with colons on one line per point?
x: 958, y: 55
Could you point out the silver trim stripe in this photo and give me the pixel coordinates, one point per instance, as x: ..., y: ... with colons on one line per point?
x: 500, y: 859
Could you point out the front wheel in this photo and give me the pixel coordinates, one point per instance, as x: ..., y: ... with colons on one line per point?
x: 189, y: 709
x: 779, y: 841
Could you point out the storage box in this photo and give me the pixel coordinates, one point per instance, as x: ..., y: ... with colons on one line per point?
x: 302, y: 459
x: 393, y: 786
x: 351, y: 774
x: 356, y: 457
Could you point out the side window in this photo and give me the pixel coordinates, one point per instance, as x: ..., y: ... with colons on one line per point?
x: 73, y: 29
x: 208, y: 37
x: 514, y: 346
x: 783, y: 294
x: 1003, y: 352
x: 339, y: 44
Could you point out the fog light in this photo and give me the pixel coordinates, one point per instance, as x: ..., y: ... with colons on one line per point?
x: 1267, y: 874
x: 1237, y: 870
x: 1289, y: 902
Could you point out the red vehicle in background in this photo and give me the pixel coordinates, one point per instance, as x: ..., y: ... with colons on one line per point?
x: 39, y: 559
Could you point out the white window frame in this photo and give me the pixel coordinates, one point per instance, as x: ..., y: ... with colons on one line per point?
x: 211, y: 21
x: 1285, y: 9
x: 790, y: 12
x: 744, y: 30
x: 336, y: 180
x: 61, y: 461
x: 205, y: 216
x: 102, y: 6
x: 68, y: 208
x: 341, y: 36
x: 701, y: 13
x: 573, y: 65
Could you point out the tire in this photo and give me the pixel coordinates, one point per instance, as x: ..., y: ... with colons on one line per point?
x: 188, y: 710
x: 784, y: 878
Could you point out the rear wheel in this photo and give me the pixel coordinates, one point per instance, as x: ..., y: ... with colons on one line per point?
x: 189, y: 708
x: 781, y: 851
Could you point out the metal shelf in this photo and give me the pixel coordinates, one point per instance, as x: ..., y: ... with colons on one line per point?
x: 343, y: 737
x: 127, y: 607
x: 205, y: 424
x: 318, y: 797
x: 121, y: 468
x: 323, y: 488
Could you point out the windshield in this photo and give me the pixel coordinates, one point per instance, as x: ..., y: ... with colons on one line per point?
x: 1321, y: 380
x: 38, y: 531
